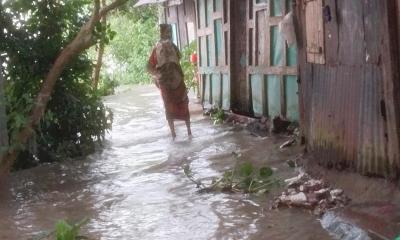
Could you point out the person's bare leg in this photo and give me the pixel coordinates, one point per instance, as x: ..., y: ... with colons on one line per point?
x: 172, y: 128
x: 188, y: 127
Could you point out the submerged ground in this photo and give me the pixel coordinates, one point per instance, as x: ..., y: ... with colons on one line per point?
x: 135, y: 188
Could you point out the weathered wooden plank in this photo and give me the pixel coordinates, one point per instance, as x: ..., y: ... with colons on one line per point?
x: 183, y: 36
x: 216, y: 15
x: 275, y: 70
x: 216, y: 69
x: 261, y: 53
x: 240, y: 94
x: 273, y: 21
x: 205, y: 31
x: 315, y: 32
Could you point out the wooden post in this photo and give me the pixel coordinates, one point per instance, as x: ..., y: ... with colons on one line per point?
x: 3, y: 117
x: 391, y: 73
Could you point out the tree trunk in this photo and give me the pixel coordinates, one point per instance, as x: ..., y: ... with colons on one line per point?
x: 3, y: 117
x: 81, y: 42
x: 100, y: 53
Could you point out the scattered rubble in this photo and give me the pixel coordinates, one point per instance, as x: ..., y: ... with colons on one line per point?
x: 260, y: 127
x: 309, y: 193
x: 288, y: 143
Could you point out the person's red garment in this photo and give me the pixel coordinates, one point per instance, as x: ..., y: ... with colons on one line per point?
x: 175, y: 100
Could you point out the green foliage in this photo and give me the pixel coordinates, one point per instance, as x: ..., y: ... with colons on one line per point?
x: 107, y: 86
x: 76, y: 119
x: 189, y: 70
x: 65, y: 231
x: 128, y: 53
x: 217, y: 115
x: 247, y: 178
x: 243, y: 178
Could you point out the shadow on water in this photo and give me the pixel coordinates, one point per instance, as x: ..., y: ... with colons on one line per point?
x: 135, y: 188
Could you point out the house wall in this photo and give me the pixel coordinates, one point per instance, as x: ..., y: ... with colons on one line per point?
x: 348, y: 106
x: 182, y: 17
x: 213, y: 44
x: 271, y: 62
x: 256, y: 71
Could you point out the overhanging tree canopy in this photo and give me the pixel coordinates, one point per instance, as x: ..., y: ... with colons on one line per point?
x: 86, y: 37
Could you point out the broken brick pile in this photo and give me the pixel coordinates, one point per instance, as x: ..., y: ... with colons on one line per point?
x: 314, y: 194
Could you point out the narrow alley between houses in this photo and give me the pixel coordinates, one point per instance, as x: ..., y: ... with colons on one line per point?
x: 135, y: 188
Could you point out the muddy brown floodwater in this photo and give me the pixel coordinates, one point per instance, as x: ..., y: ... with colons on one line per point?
x: 135, y: 188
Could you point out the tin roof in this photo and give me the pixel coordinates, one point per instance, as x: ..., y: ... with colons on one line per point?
x: 143, y: 2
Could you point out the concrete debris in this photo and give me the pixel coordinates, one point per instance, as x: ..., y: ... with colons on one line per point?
x: 309, y: 193
x: 292, y: 182
x: 288, y: 143
x: 258, y: 127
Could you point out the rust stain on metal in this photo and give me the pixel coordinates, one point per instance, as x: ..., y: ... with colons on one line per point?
x: 343, y: 110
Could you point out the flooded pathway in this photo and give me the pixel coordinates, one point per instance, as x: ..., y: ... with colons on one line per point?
x: 135, y: 188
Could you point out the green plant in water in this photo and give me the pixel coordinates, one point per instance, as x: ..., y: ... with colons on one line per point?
x: 218, y: 116
x: 243, y: 178
x: 246, y: 178
x: 65, y: 231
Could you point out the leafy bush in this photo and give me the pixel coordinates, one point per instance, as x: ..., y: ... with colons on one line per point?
x: 76, y: 119
x: 127, y: 55
x: 189, y: 70
x: 107, y: 86
x: 218, y: 116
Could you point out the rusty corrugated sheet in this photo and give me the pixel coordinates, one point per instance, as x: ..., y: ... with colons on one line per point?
x: 143, y: 2
x: 343, y: 101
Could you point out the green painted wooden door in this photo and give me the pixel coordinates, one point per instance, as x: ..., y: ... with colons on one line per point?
x: 272, y: 69
x: 213, y: 38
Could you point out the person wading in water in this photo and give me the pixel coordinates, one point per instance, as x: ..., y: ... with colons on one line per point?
x: 167, y: 73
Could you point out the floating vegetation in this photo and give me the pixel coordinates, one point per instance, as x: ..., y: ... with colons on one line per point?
x: 243, y: 178
x: 217, y: 115
x: 64, y: 231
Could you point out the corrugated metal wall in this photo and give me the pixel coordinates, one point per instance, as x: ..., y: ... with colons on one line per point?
x: 343, y: 102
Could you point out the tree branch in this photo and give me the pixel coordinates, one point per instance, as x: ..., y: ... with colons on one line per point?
x: 82, y: 41
x: 112, y: 6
